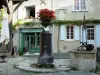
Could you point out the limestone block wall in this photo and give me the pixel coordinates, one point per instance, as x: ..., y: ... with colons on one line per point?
x: 20, y: 13
x: 69, y: 13
x: 64, y: 46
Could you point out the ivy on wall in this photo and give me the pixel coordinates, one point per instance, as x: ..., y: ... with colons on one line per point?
x: 23, y: 23
x: 75, y: 22
x: 1, y: 15
x: 58, y: 22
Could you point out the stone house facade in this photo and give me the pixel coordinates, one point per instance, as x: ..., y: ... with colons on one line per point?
x: 70, y: 35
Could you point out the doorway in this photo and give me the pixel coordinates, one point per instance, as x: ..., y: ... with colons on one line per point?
x: 31, y: 42
x: 90, y: 35
x: 29, y: 39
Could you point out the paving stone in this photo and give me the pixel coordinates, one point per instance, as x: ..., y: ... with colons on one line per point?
x: 9, y: 68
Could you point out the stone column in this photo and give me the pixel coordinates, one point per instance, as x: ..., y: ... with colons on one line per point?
x: 46, y: 50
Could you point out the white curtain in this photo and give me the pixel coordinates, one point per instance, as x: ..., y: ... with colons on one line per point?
x: 5, y: 28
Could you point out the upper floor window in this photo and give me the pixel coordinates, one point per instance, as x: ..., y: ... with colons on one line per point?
x: 30, y: 12
x: 79, y: 5
x: 70, y: 32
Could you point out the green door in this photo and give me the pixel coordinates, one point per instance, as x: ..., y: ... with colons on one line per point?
x: 31, y: 42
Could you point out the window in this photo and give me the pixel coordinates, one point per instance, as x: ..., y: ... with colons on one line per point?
x: 70, y: 32
x: 90, y: 32
x: 79, y: 5
x: 30, y: 12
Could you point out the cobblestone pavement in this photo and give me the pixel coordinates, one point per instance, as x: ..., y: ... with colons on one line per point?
x: 9, y: 68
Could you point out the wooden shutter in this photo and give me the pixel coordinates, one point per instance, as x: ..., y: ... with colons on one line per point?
x: 76, y: 32
x: 63, y: 32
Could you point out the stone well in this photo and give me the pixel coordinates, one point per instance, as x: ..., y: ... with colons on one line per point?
x: 83, y: 60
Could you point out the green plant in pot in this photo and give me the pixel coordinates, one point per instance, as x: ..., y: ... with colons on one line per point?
x: 46, y: 16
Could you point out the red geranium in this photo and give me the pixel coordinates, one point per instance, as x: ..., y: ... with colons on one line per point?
x: 46, y: 14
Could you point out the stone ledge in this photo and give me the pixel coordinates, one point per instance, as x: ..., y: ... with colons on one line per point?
x: 83, y: 51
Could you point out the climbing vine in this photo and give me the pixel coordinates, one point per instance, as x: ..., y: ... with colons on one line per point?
x: 58, y: 22
x: 2, y: 11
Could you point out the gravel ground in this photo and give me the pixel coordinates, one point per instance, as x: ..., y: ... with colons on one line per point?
x: 9, y: 69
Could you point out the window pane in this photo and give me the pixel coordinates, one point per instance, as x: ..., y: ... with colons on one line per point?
x: 67, y: 27
x: 88, y: 38
x: 70, y: 32
x: 92, y: 34
x: 71, y: 37
x: 67, y: 30
x: 80, y: 5
x: 67, y: 33
x: 88, y: 34
x: 67, y: 37
x: 71, y: 27
x: 92, y: 38
x: 92, y: 31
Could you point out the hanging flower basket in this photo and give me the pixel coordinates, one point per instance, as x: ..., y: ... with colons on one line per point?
x: 45, y: 16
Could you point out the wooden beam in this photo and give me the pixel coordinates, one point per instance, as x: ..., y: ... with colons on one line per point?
x: 18, y: 6
x: 10, y: 16
x: 8, y: 11
x: 20, y: 0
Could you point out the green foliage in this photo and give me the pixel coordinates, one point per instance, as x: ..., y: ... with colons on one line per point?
x: 19, y: 22
x: 74, y: 68
x: 27, y: 23
x: 92, y: 70
x: 2, y: 11
x: 57, y: 22
x: 21, y: 53
x: 0, y: 25
x: 97, y: 69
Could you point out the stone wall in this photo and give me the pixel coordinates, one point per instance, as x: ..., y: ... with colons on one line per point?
x: 69, y: 13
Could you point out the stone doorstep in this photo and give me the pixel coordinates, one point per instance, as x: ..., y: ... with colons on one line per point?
x: 28, y: 68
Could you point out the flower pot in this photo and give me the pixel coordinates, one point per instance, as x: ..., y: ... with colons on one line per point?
x: 45, y: 22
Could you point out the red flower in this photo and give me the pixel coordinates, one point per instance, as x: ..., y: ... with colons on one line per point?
x: 46, y: 14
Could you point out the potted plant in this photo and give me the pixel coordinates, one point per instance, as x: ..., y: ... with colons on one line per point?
x: 45, y: 16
